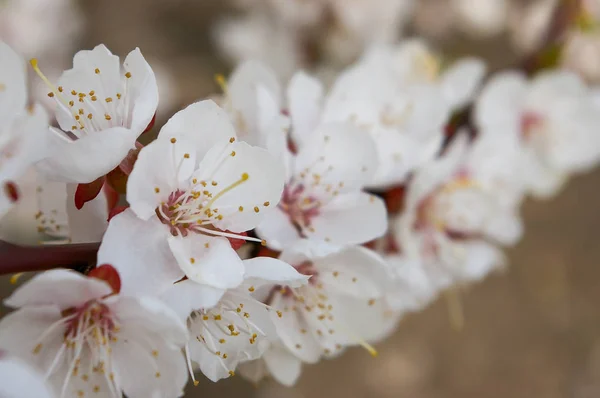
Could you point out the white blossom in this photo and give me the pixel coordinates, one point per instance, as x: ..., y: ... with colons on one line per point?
x: 554, y: 119
x: 102, y: 109
x: 87, y: 339
x: 233, y: 326
x: 190, y: 191
x: 21, y: 129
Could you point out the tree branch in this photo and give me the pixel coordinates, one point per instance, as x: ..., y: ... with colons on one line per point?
x: 15, y: 259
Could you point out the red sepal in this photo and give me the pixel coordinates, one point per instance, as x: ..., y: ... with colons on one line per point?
x: 108, y: 274
x: 87, y: 192
x: 237, y: 243
x: 11, y: 190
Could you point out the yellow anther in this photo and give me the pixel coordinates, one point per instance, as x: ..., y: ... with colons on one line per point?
x: 15, y: 278
x: 222, y: 82
x: 97, y: 71
x: 128, y: 75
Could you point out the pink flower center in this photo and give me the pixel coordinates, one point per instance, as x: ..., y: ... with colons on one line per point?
x: 299, y: 208
x: 531, y: 123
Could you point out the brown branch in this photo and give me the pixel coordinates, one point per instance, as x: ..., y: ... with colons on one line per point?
x: 15, y: 259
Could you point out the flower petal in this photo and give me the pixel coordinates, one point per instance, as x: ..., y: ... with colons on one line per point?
x: 338, y: 154
x: 203, y: 124
x: 87, y: 158
x: 20, y: 380
x: 63, y: 288
x: 349, y: 219
x: 242, y: 203
x: 305, y: 101
x: 461, y: 81
x: 260, y: 270
x: 13, y: 92
x: 161, y: 168
x: 208, y: 260
x: 142, y: 90
x: 277, y: 230
x: 20, y: 333
x: 283, y: 365
x: 188, y: 295
x: 500, y: 100
x: 139, y: 250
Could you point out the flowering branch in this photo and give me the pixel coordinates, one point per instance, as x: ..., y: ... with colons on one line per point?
x: 15, y: 259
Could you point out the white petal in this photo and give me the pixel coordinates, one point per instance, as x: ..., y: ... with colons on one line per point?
x: 63, y: 288
x: 289, y: 329
x: 481, y: 258
x: 355, y: 271
x: 90, y: 222
x: 225, y: 165
x: 341, y: 155
x: 251, y: 87
x: 305, y: 101
x: 203, y: 124
x: 349, y: 219
x: 208, y: 260
x: 147, y: 365
x: 500, y: 100
x: 20, y: 333
x: 150, y: 314
x: 283, y: 365
x: 20, y: 380
x: 160, y: 169
x: 270, y: 270
x: 142, y: 90
x: 140, y: 252
x: 461, y: 81
x: 277, y: 230
x: 186, y: 296
x: 87, y: 158
x: 13, y: 95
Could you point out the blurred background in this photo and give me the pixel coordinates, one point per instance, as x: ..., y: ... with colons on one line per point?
x: 532, y: 330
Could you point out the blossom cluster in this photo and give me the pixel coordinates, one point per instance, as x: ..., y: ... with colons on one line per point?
x: 273, y: 226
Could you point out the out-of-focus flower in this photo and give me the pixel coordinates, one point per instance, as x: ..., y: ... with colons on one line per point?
x: 482, y: 18
x: 401, y: 97
x: 553, y: 118
x: 327, y: 31
x: 20, y: 380
x: 277, y: 362
x: 230, y: 327
x: 88, y: 339
x: 458, y: 210
x: 46, y: 29
x: 191, y: 190
x: 102, y: 110
x: 22, y: 131
x: 47, y: 213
